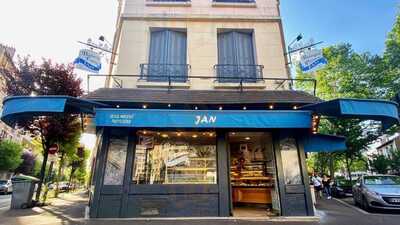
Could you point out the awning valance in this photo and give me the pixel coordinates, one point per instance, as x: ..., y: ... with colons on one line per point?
x: 25, y: 106
x: 203, y: 118
x: 380, y: 110
x: 324, y: 143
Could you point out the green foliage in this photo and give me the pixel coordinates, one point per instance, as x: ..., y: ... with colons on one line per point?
x: 380, y: 164
x: 10, y: 155
x: 395, y: 161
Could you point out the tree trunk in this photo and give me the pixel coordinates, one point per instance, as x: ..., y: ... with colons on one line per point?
x: 42, y: 170
x: 58, y: 177
x: 331, y: 166
x: 348, y: 167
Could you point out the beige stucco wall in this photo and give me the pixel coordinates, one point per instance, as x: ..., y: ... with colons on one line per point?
x: 134, y: 42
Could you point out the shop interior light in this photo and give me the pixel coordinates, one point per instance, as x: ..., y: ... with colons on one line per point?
x: 233, y: 133
x: 164, y: 135
x: 247, y: 138
x: 244, y: 107
x: 144, y: 106
x: 211, y: 134
x: 295, y: 107
x: 179, y: 134
x: 220, y: 108
x: 117, y: 106
x: 196, y: 108
x: 194, y: 136
x: 271, y: 106
x: 144, y: 132
x: 169, y: 105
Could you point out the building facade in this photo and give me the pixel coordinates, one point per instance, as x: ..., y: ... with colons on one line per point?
x: 199, y: 39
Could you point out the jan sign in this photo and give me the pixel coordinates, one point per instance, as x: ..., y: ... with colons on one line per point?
x: 88, y: 60
x: 312, y: 60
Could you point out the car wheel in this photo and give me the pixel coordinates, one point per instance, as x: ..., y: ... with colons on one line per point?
x: 365, y: 205
x: 355, y: 201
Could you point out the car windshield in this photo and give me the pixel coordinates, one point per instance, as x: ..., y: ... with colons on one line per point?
x: 3, y: 182
x: 344, y: 183
x: 381, y: 180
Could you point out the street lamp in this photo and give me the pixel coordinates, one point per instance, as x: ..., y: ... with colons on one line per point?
x: 298, y: 38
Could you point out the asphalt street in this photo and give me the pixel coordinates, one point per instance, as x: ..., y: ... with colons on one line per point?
x: 5, y: 201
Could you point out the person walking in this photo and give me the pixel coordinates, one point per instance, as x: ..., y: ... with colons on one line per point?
x: 316, y: 181
x: 326, y: 182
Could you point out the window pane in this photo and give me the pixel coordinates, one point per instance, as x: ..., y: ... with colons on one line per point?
x: 116, y: 157
x: 175, y: 158
x: 290, y: 161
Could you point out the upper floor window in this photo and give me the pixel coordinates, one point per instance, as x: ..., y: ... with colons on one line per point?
x: 167, y: 56
x: 236, y: 61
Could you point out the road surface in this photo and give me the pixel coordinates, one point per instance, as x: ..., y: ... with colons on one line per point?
x: 5, y: 201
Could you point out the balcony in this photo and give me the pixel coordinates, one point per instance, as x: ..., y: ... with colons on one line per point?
x: 227, y: 73
x: 197, y: 82
x: 164, y: 72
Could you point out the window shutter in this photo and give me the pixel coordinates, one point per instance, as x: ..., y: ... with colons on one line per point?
x: 157, y: 56
x: 176, y: 55
x: 226, y: 57
x: 245, y: 55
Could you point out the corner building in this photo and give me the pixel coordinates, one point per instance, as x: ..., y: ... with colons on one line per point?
x: 199, y: 116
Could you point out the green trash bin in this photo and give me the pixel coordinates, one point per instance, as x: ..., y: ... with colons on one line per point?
x: 23, y: 189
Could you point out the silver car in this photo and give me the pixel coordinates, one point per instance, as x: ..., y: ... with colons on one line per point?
x: 377, y: 191
x: 5, y: 186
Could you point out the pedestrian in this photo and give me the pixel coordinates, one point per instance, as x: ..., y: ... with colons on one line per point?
x: 316, y: 181
x: 326, y: 182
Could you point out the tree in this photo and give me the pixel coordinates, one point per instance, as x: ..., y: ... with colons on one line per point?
x: 28, y: 162
x: 10, y: 155
x: 380, y: 164
x: 46, y: 79
x: 395, y: 161
x: 347, y: 75
x: 67, y: 153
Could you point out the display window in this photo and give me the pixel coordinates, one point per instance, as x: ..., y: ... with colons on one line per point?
x: 174, y: 157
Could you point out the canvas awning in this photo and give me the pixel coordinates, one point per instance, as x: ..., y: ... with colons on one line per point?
x: 203, y: 118
x: 365, y: 109
x: 17, y: 107
x: 324, y: 143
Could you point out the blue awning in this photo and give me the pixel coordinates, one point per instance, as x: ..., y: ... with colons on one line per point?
x: 203, y: 118
x: 324, y: 143
x: 380, y: 110
x: 25, y: 106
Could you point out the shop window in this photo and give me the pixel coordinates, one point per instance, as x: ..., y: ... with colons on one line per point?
x: 116, y: 157
x: 290, y: 161
x: 175, y: 158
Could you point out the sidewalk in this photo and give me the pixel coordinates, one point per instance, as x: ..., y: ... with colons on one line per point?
x: 68, y: 209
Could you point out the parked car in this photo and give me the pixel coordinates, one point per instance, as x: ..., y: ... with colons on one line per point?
x: 5, y: 186
x: 377, y: 191
x: 342, y: 188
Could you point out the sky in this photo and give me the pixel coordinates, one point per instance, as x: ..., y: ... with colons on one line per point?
x: 362, y: 23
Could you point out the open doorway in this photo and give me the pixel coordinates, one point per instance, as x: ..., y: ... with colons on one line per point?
x: 253, y: 175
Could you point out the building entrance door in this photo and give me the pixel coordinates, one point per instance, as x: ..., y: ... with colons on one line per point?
x: 253, y: 175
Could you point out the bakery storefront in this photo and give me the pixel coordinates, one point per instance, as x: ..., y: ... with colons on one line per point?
x: 186, y: 156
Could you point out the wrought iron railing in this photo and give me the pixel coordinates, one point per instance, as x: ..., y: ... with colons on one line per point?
x: 126, y: 80
x: 228, y: 73
x: 164, y: 72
